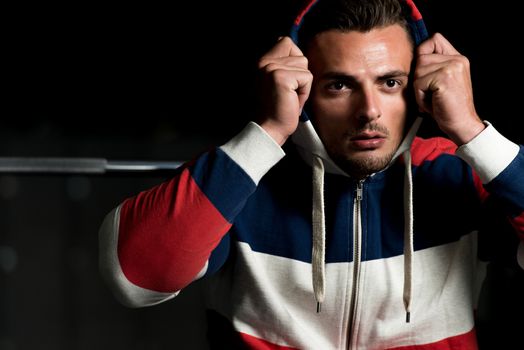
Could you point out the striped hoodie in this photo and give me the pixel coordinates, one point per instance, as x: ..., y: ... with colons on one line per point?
x: 278, y: 232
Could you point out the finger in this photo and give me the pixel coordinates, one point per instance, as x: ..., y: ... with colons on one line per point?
x: 428, y: 59
x: 436, y: 44
x: 305, y: 82
x: 424, y: 87
x: 299, y: 81
x: 290, y: 61
x: 457, y: 68
x: 423, y: 70
x: 272, y: 67
x: 291, y: 79
x: 285, y: 47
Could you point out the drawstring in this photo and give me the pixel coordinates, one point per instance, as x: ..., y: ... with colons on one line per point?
x: 319, y: 232
x: 408, y: 235
x: 319, y: 225
x: 404, y: 149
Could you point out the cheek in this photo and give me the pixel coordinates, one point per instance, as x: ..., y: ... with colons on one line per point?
x: 329, y: 121
x: 331, y: 110
x: 398, y: 123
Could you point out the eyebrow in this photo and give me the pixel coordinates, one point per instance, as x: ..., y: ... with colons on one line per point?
x: 352, y: 78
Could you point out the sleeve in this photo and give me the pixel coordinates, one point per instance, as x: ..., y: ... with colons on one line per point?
x: 156, y: 243
x: 499, y: 164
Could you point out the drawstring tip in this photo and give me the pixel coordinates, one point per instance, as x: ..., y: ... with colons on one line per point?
x: 319, y: 307
x: 408, y: 315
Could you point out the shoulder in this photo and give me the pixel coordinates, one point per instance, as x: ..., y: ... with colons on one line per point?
x: 431, y: 148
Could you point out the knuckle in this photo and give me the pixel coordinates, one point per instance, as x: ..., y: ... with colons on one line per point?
x: 268, y: 67
x: 302, y: 62
x: 286, y: 40
x: 277, y: 74
x: 261, y: 64
x: 464, y: 61
x: 437, y: 36
x: 422, y: 60
x: 458, y: 65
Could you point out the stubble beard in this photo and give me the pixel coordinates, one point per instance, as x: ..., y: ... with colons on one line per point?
x: 360, y: 166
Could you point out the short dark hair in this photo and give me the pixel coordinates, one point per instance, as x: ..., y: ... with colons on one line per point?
x: 352, y: 15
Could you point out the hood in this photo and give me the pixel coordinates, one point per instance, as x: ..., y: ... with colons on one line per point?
x: 312, y: 150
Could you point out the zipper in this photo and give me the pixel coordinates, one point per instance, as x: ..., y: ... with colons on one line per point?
x: 357, y: 237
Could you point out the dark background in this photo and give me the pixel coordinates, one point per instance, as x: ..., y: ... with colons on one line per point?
x: 157, y: 82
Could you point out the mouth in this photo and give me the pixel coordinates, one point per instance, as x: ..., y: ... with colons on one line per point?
x: 368, y: 140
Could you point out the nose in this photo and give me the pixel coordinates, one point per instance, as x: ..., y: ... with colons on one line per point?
x: 368, y: 105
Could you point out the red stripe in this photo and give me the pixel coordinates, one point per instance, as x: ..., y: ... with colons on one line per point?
x: 429, y: 149
x: 415, y: 13
x: 304, y: 11
x: 166, y: 234
x: 483, y: 194
x: 518, y: 223
x: 261, y: 344
x: 466, y: 341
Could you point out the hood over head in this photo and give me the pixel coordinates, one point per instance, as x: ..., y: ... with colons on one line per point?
x: 305, y: 137
x: 312, y: 150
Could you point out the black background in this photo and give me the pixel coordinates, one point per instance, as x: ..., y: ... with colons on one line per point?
x: 149, y: 81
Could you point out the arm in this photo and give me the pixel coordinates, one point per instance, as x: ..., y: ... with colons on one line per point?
x: 443, y: 88
x: 499, y: 164
x: 156, y: 243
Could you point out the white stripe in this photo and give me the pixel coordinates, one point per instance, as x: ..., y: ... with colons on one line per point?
x: 254, y: 151
x: 272, y: 298
x: 202, y: 272
x: 443, y: 299
x: 125, y: 291
x: 489, y: 153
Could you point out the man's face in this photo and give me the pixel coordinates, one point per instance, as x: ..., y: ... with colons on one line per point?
x: 358, y: 99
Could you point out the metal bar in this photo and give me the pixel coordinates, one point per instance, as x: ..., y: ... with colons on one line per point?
x: 94, y: 166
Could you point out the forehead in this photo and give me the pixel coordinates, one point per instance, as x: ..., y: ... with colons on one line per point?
x: 390, y: 44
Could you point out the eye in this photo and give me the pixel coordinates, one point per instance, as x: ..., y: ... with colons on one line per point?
x: 337, y: 85
x: 391, y: 83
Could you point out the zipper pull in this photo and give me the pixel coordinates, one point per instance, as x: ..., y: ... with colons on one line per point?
x: 358, y: 191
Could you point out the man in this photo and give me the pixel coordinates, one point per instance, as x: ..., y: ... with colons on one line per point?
x: 361, y: 236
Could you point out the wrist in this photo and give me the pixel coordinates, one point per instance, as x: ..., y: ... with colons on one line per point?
x: 275, y: 131
x: 467, y: 132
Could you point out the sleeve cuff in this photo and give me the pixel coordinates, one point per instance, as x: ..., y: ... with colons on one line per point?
x: 489, y: 153
x: 254, y: 151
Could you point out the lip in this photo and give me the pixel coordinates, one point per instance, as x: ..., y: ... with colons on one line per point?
x: 368, y: 140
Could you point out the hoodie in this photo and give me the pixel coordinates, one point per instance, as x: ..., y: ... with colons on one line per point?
x: 295, y: 254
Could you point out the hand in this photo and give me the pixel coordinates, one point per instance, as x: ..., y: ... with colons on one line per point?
x: 285, y: 86
x: 443, y: 89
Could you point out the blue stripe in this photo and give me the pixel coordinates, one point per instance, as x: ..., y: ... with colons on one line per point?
x: 225, y: 184
x: 219, y: 255
x: 293, y: 33
x: 509, y: 185
x: 418, y: 31
x: 277, y: 218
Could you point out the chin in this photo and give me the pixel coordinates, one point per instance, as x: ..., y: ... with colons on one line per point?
x: 363, y: 165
